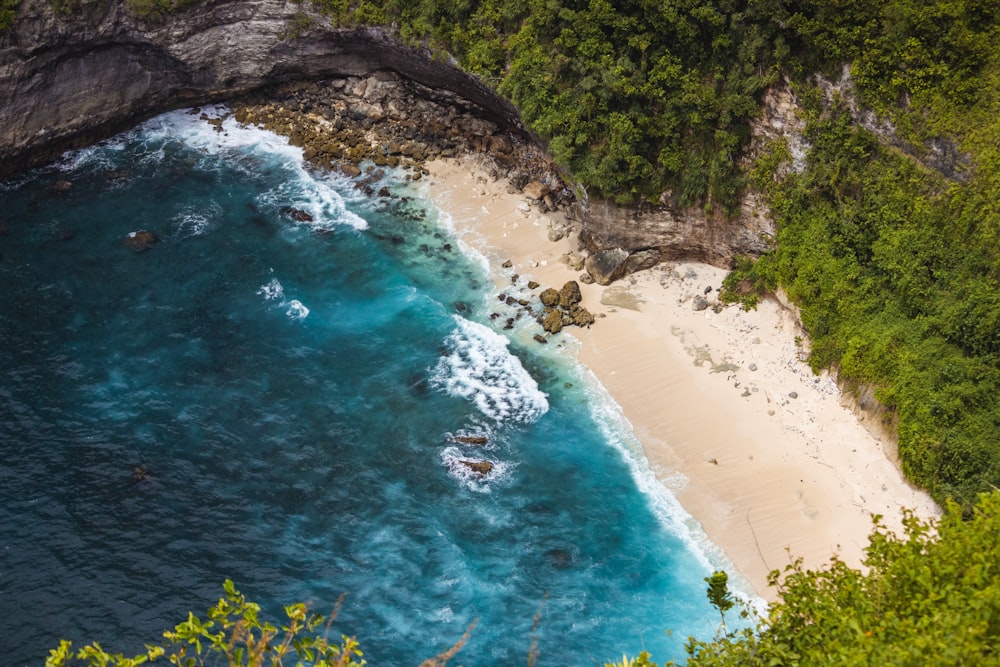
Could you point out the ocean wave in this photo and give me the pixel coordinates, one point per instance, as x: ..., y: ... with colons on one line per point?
x: 296, y: 310
x: 274, y: 291
x: 314, y: 196
x: 478, y: 366
x: 102, y: 155
x: 191, y: 222
x: 617, y: 430
x: 314, y: 192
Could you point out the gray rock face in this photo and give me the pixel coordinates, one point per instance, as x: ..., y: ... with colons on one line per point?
x: 674, y: 233
x: 69, y: 80
x: 606, y: 266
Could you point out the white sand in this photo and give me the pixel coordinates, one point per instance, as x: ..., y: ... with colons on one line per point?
x: 769, y: 477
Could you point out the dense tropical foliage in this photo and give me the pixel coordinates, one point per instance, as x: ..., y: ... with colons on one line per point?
x: 930, y: 596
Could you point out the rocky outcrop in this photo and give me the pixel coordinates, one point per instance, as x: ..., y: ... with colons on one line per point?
x: 622, y: 240
x: 938, y: 153
x: 68, y: 80
x: 561, y: 308
x: 615, y: 233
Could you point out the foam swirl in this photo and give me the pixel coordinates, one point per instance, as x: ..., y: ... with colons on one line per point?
x: 478, y: 366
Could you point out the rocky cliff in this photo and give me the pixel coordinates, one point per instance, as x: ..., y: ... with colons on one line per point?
x: 68, y: 80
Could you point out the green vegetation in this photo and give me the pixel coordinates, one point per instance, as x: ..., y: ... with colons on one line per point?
x: 895, y: 265
x: 931, y: 596
x: 233, y: 635
x: 635, y: 97
x: 7, y: 10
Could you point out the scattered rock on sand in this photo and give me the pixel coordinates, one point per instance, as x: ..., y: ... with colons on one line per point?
x: 552, y: 320
x: 570, y: 294
x: 606, y: 266
x: 536, y: 190
x: 549, y: 297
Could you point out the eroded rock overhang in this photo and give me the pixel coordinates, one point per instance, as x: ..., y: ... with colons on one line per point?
x: 67, y: 81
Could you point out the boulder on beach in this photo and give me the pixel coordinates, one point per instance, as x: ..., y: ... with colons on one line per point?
x: 607, y: 266
x: 550, y: 297
x: 581, y: 316
x: 552, y: 320
x: 570, y: 294
x: 536, y: 190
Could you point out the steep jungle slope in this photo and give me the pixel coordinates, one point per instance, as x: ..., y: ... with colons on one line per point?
x: 888, y: 238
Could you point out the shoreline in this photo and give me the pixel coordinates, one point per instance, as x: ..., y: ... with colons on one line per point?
x: 767, y: 457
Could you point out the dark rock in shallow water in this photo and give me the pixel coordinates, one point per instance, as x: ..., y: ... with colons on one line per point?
x: 141, y: 240
x: 560, y: 559
x: 471, y: 439
x: 481, y: 468
x: 296, y: 214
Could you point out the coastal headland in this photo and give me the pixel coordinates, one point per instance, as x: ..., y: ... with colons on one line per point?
x: 769, y: 458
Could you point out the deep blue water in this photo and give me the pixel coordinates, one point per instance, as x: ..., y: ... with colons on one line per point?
x: 293, y: 389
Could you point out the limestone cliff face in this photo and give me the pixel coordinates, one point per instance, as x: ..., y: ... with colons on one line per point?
x: 68, y: 80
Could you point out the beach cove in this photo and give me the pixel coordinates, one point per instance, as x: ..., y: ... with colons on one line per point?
x: 770, y: 459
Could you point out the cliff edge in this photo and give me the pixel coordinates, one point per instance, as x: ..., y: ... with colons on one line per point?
x: 67, y: 80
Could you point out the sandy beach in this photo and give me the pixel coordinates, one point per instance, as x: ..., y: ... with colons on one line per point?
x: 764, y: 454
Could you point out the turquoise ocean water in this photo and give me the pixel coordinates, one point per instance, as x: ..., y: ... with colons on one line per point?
x: 293, y: 390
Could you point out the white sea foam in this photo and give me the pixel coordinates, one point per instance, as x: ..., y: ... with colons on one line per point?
x: 314, y: 192
x: 296, y: 310
x: 315, y: 196
x: 191, y: 222
x: 479, y: 367
x: 618, y: 431
x: 272, y: 290
x: 102, y: 155
x: 452, y: 458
